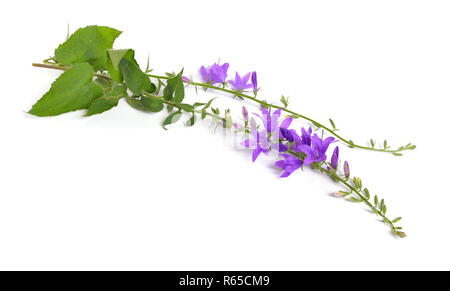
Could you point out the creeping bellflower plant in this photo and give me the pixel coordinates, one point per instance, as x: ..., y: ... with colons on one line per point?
x: 96, y: 76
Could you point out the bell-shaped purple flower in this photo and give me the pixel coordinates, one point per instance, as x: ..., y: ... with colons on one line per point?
x: 335, y: 158
x: 306, y: 136
x: 239, y: 83
x: 317, y: 151
x: 289, y: 164
x: 286, y: 134
x: 258, y: 141
x: 270, y: 120
x: 215, y: 73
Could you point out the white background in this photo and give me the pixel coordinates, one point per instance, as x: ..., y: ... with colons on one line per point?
x: 117, y: 192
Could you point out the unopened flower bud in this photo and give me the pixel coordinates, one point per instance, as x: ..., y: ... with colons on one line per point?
x: 346, y: 170
x: 245, y: 113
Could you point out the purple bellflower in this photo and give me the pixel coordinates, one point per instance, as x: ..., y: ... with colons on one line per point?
x: 335, y: 158
x: 254, y: 82
x: 317, y: 151
x: 289, y: 164
x: 284, y: 132
x: 258, y: 142
x: 239, y: 83
x: 306, y: 136
x: 214, y: 74
x: 270, y: 120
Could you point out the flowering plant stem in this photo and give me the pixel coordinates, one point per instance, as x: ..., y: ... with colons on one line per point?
x: 319, y: 125
x: 96, y: 77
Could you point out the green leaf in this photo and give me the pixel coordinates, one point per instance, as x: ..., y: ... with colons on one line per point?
x: 191, y: 120
x: 172, y: 118
x: 366, y: 191
x: 153, y: 104
x: 88, y: 44
x: 216, y: 111
x: 105, y: 84
x: 208, y: 104
x: 136, y: 80
x: 136, y: 103
x: 73, y: 90
x: 174, y: 89
x: 357, y: 200
x: 197, y: 104
x: 113, y: 62
x: 332, y: 124
x: 186, y: 107
x: 357, y: 182
x: 397, y: 220
x: 107, y: 101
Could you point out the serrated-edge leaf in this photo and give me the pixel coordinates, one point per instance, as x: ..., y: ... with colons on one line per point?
x: 73, y: 90
x: 88, y: 44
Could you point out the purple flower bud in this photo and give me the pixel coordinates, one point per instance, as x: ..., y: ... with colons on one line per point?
x: 335, y: 158
x: 254, y: 81
x: 346, y: 169
x: 245, y: 113
x: 186, y: 79
x: 237, y: 126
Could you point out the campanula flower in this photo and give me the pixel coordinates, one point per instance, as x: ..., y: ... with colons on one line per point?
x: 214, y: 74
x: 289, y: 164
x: 286, y: 133
x: 239, y: 83
x: 306, y: 136
x: 317, y: 151
x: 335, y: 158
x: 258, y: 141
x: 186, y: 79
x: 270, y: 120
x: 254, y: 82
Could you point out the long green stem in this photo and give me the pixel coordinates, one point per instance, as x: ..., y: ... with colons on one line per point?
x: 317, y: 124
x: 254, y: 99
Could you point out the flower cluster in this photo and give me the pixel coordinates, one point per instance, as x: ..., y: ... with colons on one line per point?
x: 217, y: 74
x: 297, y: 150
